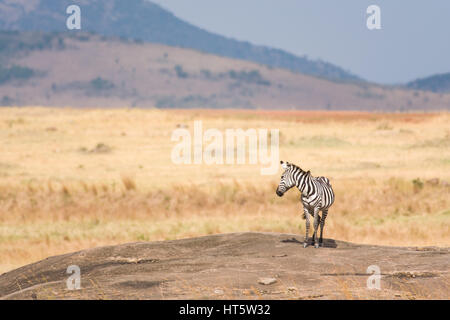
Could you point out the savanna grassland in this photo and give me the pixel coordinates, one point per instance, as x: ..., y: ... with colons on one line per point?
x: 72, y: 179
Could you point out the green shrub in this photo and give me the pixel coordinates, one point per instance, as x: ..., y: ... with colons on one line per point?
x: 252, y: 76
x: 101, y: 84
x: 6, y: 101
x: 15, y: 72
x: 180, y: 72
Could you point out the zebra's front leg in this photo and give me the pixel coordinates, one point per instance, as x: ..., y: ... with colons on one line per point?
x: 322, y: 224
x: 316, y: 225
x: 306, y: 215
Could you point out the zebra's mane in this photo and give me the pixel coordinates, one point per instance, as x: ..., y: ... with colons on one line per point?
x: 297, y: 167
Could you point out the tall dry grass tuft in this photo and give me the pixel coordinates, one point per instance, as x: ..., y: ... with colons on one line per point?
x: 128, y: 183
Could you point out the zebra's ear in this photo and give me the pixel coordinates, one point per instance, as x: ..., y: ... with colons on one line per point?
x: 284, y: 165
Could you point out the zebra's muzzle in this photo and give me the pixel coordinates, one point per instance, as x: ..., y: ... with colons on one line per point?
x: 279, y: 193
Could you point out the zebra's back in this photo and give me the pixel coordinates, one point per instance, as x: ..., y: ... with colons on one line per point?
x: 325, y: 179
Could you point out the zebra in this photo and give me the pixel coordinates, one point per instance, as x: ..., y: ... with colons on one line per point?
x: 316, y: 195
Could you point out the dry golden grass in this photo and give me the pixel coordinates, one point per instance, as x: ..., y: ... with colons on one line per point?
x: 73, y: 179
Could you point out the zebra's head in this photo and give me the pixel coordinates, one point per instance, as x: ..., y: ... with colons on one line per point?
x: 287, y: 180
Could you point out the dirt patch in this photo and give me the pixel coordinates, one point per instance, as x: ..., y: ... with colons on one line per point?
x: 231, y: 266
x: 98, y: 149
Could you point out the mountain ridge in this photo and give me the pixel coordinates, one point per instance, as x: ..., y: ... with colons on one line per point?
x: 438, y: 83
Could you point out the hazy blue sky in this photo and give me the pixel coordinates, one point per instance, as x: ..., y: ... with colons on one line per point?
x: 414, y: 40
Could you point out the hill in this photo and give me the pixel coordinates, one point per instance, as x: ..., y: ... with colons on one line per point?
x: 235, y: 266
x: 86, y: 70
x: 146, y: 21
x: 436, y: 83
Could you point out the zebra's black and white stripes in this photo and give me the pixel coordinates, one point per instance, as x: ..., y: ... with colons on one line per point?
x: 317, y: 195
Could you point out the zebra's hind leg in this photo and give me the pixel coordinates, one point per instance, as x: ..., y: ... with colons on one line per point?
x: 316, y: 225
x: 314, y: 235
x: 322, y: 224
x: 306, y: 216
